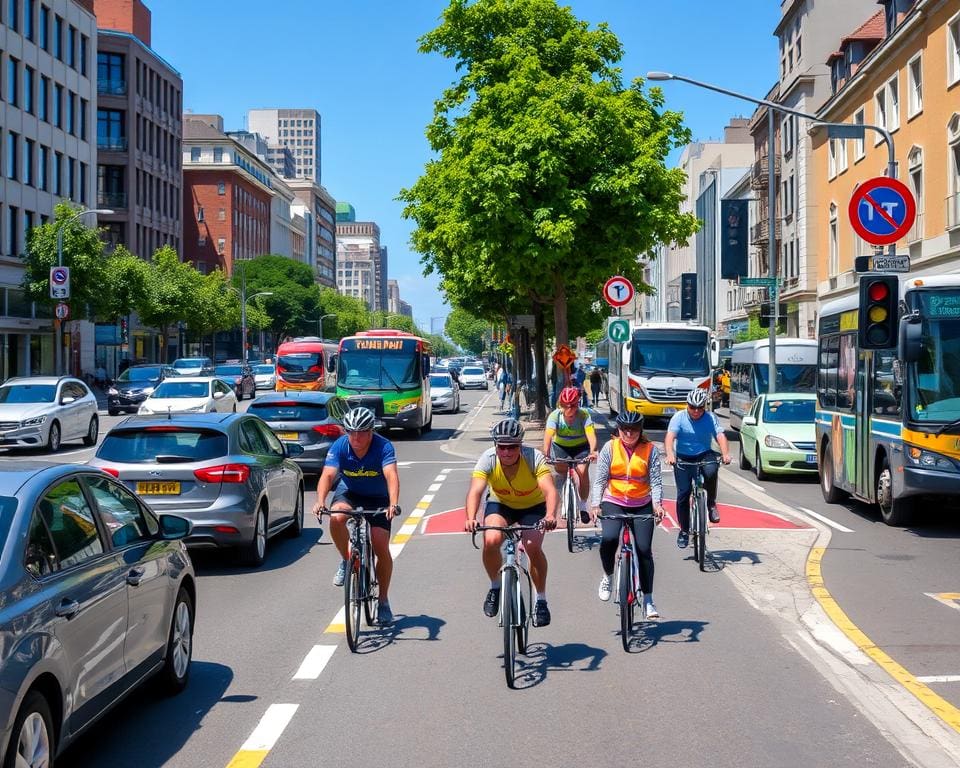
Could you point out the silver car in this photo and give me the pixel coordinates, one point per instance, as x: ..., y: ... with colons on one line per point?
x: 444, y: 393
x: 45, y: 411
x: 265, y: 375
x: 227, y: 473
x: 97, y: 595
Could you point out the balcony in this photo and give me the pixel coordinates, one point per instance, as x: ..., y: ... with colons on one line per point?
x: 111, y: 200
x: 112, y: 87
x: 759, y: 173
x: 760, y: 232
x: 112, y: 143
x: 915, y: 234
x: 953, y: 211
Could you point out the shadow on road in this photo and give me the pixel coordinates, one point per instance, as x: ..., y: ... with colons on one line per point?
x: 281, y: 552
x: 404, y: 627
x: 718, y: 559
x: 650, y: 633
x: 542, y: 658
x: 931, y: 520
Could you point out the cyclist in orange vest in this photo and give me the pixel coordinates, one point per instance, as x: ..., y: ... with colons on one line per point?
x: 628, y: 482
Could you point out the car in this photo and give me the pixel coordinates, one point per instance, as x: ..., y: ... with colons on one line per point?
x: 191, y: 394
x: 778, y: 435
x: 310, y: 419
x: 473, y: 376
x: 240, y: 375
x: 134, y: 385
x: 265, y: 375
x: 46, y: 411
x: 99, y: 596
x: 194, y: 366
x: 444, y: 392
x: 227, y: 473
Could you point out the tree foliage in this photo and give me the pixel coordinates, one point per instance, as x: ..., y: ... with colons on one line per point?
x: 466, y: 330
x: 351, y: 314
x: 294, y: 305
x: 170, y: 291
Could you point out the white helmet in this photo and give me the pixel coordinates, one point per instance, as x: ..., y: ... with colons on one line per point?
x: 697, y: 398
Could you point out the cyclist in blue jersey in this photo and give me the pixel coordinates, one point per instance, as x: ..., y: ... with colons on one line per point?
x: 690, y: 437
x: 361, y: 470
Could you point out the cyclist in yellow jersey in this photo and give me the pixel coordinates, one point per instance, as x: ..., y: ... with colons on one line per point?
x: 521, y: 493
x: 570, y: 434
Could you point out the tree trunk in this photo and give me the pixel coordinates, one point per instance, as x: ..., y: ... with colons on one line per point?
x: 561, y: 329
x: 541, y: 350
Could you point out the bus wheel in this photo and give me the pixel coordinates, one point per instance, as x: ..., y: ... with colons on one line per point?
x: 898, y: 512
x: 831, y: 494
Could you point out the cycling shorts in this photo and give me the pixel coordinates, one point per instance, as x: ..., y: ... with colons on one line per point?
x: 342, y: 495
x: 561, y: 452
x: 529, y: 516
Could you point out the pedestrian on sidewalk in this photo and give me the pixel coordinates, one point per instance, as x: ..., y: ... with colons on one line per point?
x: 506, y: 389
x: 596, y: 384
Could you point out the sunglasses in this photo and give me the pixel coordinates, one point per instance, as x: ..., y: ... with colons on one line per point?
x: 697, y: 407
x: 508, y: 446
x: 631, y: 430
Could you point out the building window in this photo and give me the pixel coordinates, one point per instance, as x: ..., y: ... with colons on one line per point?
x: 28, y: 90
x: 83, y: 183
x: 71, y: 113
x: 953, y: 50
x: 880, y: 110
x: 859, y: 150
x: 42, y: 171
x: 58, y: 106
x: 83, y: 119
x: 28, y: 146
x: 834, y: 264
x: 915, y: 86
x: 57, y: 174
x: 893, y: 103
x: 841, y: 155
x: 194, y: 154
x: 953, y: 202
x: 200, y: 213
x: 72, y: 47
x: 84, y: 49
x: 831, y: 158
x: 218, y: 154
x: 13, y: 15
x: 915, y: 170
x: 71, y: 178
x: 221, y: 245
x: 221, y: 188
x: 58, y: 38
x: 111, y: 129
x: 13, y: 84
x: 13, y: 234
x: 44, y: 28
x: 12, y: 155
x: 28, y: 19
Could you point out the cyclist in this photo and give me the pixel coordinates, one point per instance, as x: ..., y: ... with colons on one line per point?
x: 570, y: 435
x: 690, y: 435
x: 521, y: 492
x: 628, y: 482
x: 361, y: 469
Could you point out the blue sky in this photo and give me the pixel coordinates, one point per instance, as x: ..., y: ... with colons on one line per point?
x: 356, y: 62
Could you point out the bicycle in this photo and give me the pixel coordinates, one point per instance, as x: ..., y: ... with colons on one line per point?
x: 628, y: 587
x: 569, y: 508
x: 514, y: 616
x: 360, y: 586
x: 698, y: 510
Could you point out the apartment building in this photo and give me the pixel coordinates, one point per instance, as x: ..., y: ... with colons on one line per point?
x: 738, y: 301
x: 360, y: 268
x: 296, y: 129
x: 321, y: 248
x: 899, y: 70
x: 48, y: 153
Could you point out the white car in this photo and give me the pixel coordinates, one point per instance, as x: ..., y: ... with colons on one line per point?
x: 43, y: 411
x: 191, y: 394
x: 265, y: 375
x: 473, y: 376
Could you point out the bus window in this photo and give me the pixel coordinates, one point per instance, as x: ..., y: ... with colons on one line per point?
x: 846, y: 371
x: 827, y: 375
x: 886, y: 390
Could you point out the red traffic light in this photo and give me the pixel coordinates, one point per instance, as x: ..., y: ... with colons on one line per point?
x: 878, y: 291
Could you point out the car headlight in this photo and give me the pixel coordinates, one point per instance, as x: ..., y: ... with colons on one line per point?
x: 195, y: 409
x: 930, y: 460
x: 637, y: 393
x: 36, y: 421
x: 772, y: 441
x: 408, y: 407
x: 112, y: 391
x: 149, y: 390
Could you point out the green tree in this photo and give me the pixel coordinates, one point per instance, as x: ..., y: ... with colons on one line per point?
x: 440, y: 346
x: 294, y: 306
x: 170, y: 292
x: 124, y: 282
x: 381, y: 319
x: 351, y: 314
x: 466, y: 330
x: 215, y: 308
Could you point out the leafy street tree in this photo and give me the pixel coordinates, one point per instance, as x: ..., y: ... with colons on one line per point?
x: 124, y: 282
x: 170, y: 292
x: 466, y: 330
x: 550, y: 175
x: 351, y: 314
x: 381, y: 319
x: 294, y: 305
x: 440, y: 346
x: 215, y: 308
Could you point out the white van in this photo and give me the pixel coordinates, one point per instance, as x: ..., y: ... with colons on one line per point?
x: 749, y: 371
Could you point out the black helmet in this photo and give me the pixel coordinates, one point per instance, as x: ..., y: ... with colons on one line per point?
x: 508, y: 431
x: 630, y: 419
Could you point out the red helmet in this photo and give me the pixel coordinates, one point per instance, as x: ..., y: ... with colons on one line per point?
x: 569, y: 396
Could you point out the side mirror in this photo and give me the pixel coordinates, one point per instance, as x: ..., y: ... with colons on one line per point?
x: 714, y: 353
x: 749, y: 421
x: 292, y: 449
x: 332, y: 363
x: 218, y: 395
x: 911, y: 332
x: 175, y: 527
x: 67, y: 400
x: 426, y: 365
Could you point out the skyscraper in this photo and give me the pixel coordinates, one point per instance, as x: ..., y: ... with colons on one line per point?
x: 296, y: 129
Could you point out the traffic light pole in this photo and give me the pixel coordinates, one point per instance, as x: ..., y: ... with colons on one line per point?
x: 774, y: 288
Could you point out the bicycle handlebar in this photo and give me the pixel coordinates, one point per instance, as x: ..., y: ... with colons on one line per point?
x: 358, y: 512
x: 641, y: 516
x: 573, y: 462
x: 513, y: 531
x: 701, y: 463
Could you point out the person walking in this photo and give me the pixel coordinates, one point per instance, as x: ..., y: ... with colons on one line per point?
x: 596, y: 384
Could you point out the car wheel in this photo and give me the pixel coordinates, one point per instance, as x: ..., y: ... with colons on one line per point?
x: 31, y: 741
x: 255, y: 552
x: 93, y: 431
x: 744, y: 464
x: 113, y: 411
x: 176, y: 666
x: 296, y: 527
x: 53, y: 438
x: 758, y: 466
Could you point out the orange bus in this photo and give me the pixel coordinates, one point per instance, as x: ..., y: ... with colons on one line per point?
x: 307, y: 362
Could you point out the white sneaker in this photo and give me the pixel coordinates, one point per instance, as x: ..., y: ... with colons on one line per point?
x: 604, y: 591
x: 650, y: 610
x: 341, y: 575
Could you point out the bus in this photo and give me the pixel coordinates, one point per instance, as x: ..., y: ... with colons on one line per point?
x: 655, y: 370
x: 750, y: 371
x: 306, y: 362
x: 388, y: 371
x: 888, y: 421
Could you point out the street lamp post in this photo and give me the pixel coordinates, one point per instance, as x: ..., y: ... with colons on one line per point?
x: 834, y: 130
x: 58, y: 324
x: 320, y: 322
x: 243, y: 310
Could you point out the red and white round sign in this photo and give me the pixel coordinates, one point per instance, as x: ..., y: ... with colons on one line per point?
x: 618, y: 291
x: 62, y: 311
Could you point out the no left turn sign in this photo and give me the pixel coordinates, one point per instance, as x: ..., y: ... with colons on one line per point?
x: 618, y: 291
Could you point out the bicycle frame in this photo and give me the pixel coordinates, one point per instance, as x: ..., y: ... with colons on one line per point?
x: 698, y: 509
x: 570, y: 495
x: 628, y: 587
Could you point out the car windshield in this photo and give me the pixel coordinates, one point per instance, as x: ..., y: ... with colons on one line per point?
x: 188, y: 363
x: 473, y: 371
x: 229, y: 370
x: 289, y: 411
x: 176, y: 389
x: 139, y: 374
x: 152, y: 444
x: 264, y: 369
x: 440, y: 381
x: 28, y: 393
x: 789, y: 411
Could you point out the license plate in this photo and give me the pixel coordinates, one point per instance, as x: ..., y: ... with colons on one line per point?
x: 164, y: 488
x: 811, y: 458
x: 669, y: 411
x: 288, y: 435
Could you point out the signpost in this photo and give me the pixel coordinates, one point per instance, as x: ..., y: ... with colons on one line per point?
x: 62, y: 311
x: 618, y: 291
x: 59, y: 282
x: 882, y: 210
x: 564, y: 357
x: 618, y: 331
x: 881, y: 262
x: 763, y: 282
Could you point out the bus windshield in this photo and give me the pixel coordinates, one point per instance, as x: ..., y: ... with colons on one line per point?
x: 934, y: 386
x: 300, y: 366
x: 364, y: 365
x: 790, y: 378
x: 669, y: 353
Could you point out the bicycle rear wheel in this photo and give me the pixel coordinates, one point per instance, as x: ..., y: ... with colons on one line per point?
x: 570, y: 505
x: 508, y: 598
x: 371, y: 590
x: 700, y: 555
x: 627, y: 599
x: 352, y: 597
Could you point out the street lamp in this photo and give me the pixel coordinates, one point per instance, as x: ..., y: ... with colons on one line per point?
x: 320, y: 322
x: 58, y: 341
x: 834, y: 130
x: 242, y: 293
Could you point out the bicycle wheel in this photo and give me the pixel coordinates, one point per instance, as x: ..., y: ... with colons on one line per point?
x: 700, y: 555
x: 371, y: 591
x: 570, y: 505
x: 508, y: 596
x: 352, y: 597
x: 627, y: 599
x: 522, y: 623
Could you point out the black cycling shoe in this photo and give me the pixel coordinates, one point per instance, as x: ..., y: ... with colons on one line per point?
x: 714, y: 513
x: 584, y: 516
x: 683, y: 540
x: 491, y: 606
x: 541, y: 614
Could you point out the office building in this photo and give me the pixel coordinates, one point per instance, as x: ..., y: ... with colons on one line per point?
x: 296, y: 129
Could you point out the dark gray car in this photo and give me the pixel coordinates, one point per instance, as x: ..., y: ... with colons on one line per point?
x: 312, y: 420
x: 227, y: 473
x: 97, y: 594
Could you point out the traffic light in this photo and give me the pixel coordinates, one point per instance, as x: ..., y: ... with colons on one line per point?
x: 766, y: 315
x: 688, y: 295
x: 877, y: 325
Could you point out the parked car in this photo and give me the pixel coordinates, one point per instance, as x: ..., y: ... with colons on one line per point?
x: 226, y: 473
x: 191, y: 394
x: 310, y: 419
x: 265, y: 376
x: 473, y: 376
x: 134, y: 385
x: 778, y: 435
x: 444, y: 392
x: 194, y: 366
x: 99, y: 596
x: 240, y: 375
x: 37, y: 411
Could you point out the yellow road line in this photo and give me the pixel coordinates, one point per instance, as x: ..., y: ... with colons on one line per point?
x: 248, y: 758
x: 936, y: 704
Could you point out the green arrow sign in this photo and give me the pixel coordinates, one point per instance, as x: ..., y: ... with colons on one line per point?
x: 618, y: 331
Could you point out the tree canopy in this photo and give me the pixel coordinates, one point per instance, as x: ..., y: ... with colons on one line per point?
x: 466, y: 330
